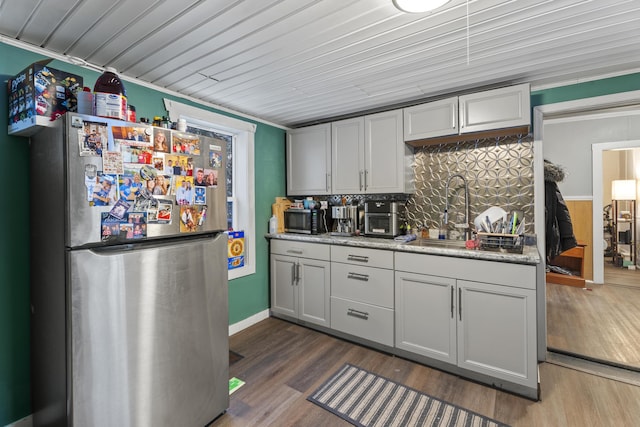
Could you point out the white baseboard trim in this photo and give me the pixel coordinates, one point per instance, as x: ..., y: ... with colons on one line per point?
x: 24, y: 422
x: 249, y: 321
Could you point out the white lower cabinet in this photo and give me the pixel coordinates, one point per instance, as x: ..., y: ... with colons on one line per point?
x: 482, y: 327
x: 476, y: 318
x: 497, y: 331
x: 300, y: 281
x: 425, y: 315
x: 362, y: 293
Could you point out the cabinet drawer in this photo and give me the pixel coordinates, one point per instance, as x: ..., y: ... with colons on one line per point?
x: 365, y: 284
x: 362, y: 320
x: 300, y: 249
x: 362, y: 256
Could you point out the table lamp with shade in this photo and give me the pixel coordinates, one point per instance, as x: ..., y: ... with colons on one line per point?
x: 624, y: 190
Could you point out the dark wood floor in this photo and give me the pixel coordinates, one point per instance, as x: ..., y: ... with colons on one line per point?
x: 283, y: 363
x: 601, y: 322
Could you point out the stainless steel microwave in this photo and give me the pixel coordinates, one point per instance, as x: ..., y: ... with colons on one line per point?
x: 306, y: 221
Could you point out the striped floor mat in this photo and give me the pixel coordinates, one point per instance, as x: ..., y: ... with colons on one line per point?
x: 365, y: 399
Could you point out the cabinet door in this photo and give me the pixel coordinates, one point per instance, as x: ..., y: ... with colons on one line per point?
x: 385, y: 153
x: 438, y: 118
x: 309, y: 160
x: 426, y: 315
x: 495, y: 109
x: 347, y: 147
x: 284, y: 290
x: 497, y: 331
x: 313, y: 291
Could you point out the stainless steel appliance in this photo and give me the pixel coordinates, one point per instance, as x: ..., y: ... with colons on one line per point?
x: 345, y: 220
x: 305, y: 221
x: 381, y: 218
x: 128, y: 297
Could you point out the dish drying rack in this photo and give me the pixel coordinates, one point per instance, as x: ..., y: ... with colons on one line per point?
x: 499, y: 242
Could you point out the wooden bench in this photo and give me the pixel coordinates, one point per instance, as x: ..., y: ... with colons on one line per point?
x: 573, y: 260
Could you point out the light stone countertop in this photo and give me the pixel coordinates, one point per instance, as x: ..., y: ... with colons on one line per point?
x: 530, y: 254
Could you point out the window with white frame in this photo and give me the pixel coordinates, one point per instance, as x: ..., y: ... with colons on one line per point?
x: 238, y: 138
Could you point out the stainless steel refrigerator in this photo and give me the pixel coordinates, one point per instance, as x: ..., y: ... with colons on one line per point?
x: 129, y: 305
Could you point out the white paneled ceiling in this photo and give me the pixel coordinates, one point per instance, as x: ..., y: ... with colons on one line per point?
x: 294, y: 62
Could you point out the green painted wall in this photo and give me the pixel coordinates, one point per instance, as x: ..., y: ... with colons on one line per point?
x: 247, y: 296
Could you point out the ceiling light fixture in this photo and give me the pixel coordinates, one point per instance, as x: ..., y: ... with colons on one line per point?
x: 417, y: 6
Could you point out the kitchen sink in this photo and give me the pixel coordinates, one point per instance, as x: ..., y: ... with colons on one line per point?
x: 436, y: 243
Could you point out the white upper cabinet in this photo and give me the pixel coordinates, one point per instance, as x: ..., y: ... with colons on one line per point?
x: 495, y: 109
x: 386, y: 156
x: 502, y: 108
x: 309, y: 161
x: 370, y: 156
x: 347, y: 140
x: 438, y: 118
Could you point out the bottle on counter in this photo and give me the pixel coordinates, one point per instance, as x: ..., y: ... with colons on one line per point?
x: 131, y: 113
x: 273, y: 225
x: 110, y: 96
x: 85, y: 101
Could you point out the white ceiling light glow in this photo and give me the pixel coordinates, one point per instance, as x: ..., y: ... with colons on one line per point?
x: 417, y: 6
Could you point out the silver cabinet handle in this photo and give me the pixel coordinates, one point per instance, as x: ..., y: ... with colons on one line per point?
x: 358, y: 258
x: 453, y: 116
x: 366, y: 172
x: 452, y: 297
x: 460, y: 303
x: 328, y: 182
x: 295, y: 251
x: 293, y: 274
x: 298, y: 273
x: 358, y: 314
x: 357, y: 276
x: 361, y: 174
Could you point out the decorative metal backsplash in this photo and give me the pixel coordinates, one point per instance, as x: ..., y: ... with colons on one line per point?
x: 498, y: 171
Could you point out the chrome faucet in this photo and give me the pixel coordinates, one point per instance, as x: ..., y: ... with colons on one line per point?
x: 466, y: 204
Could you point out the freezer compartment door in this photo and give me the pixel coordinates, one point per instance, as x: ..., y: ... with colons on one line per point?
x: 149, y: 335
x: 130, y: 198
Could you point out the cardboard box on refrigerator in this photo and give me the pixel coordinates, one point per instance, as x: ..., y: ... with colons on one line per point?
x: 38, y: 95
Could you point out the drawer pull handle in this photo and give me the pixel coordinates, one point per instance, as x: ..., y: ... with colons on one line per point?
x: 294, y: 251
x: 356, y: 276
x: 358, y: 258
x: 358, y: 314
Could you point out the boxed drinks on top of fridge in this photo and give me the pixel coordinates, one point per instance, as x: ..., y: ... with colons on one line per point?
x: 40, y: 94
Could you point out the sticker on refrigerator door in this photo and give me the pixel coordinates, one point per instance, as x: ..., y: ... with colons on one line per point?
x: 139, y: 221
x: 119, y: 210
x: 200, y: 195
x: 137, y: 136
x: 211, y: 177
x: 161, y: 140
x: 164, y: 209
x: 177, y: 165
x: 183, y: 186
x: 235, y: 249
x: 188, y: 219
x: 105, y: 191
x: 112, y: 162
x: 215, y: 158
x: 185, y: 144
x: 92, y: 138
x: 109, y: 227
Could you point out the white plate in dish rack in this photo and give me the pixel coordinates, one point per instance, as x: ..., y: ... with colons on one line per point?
x: 494, y: 213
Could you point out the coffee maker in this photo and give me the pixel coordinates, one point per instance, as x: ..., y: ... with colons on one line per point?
x: 345, y: 220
